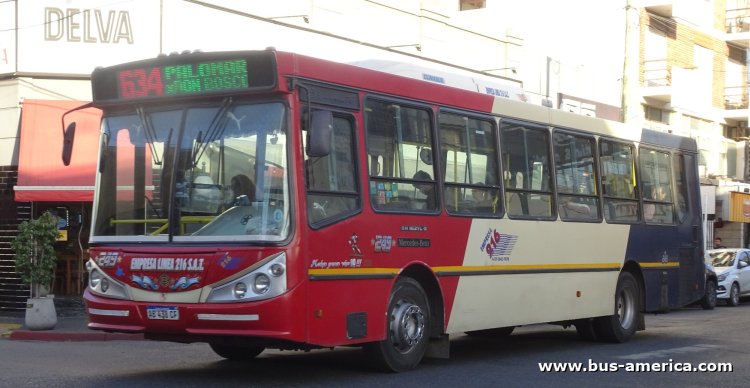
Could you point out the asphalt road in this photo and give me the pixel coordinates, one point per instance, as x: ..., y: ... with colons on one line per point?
x: 716, y: 338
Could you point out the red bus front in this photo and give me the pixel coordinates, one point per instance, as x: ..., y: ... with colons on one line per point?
x: 192, y: 233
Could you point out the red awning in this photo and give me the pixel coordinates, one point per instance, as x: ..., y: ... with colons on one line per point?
x: 42, y: 177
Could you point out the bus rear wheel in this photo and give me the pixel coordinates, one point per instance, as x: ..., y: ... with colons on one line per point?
x: 407, y: 330
x: 236, y: 352
x: 622, y: 325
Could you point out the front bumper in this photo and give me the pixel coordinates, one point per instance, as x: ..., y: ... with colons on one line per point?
x: 275, y: 318
x: 722, y: 290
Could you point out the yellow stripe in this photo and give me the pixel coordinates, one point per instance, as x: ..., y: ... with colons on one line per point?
x: 661, y: 265
x: 480, y: 268
x: 526, y: 267
x: 461, y: 268
x: 354, y: 271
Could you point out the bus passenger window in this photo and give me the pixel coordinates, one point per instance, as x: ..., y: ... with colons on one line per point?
x: 618, y: 182
x: 469, y: 153
x: 400, y: 157
x: 656, y: 180
x: 575, y: 171
x: 526, y: 162
x: 681, y: 163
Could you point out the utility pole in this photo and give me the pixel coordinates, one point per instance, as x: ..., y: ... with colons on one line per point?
x: 626, y: 65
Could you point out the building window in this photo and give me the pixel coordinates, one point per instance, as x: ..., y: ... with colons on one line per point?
x: 466, y: 5
x: 656, y: 114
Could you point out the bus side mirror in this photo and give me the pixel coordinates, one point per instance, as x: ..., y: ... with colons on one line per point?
x: 68, y: 137
x: 319, y: 134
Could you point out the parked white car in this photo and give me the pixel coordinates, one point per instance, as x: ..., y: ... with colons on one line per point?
x: 732, y: 266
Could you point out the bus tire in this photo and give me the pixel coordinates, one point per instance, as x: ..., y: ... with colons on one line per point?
x: 236, y: 352
x: 622, y: 325
x: 407, y: 329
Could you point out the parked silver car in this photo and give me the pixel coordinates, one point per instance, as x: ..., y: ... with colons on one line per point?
x: 732, y: 267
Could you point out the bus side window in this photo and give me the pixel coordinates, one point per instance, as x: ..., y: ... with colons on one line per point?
x: 575, y: 171
x: 399, y: 146
x: 618, y: 181
x: 681, y: 185
x: 526, y: 156
x: 331, y: 182
x: 471, y: 170
x: 656, y: 181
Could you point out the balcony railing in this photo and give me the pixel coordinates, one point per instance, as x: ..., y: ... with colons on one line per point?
x: 735, y: 97
x: 738, y: 20
x: 657, y: 72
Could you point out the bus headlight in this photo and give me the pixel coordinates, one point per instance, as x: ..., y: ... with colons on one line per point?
x: 265, y: 280
x: 261, y: 283
x: 240, y: 289
x: 103, y: 285
x: 95, y: 277
x: 276, y: 269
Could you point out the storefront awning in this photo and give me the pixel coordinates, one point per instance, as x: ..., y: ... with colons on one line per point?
x: 42, y: 177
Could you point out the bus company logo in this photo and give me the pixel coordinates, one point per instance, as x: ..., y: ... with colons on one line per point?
x: 498, y: 246
x: 165, y: 281
x: 108, y: 259
x: 184, y: 282
x: 192, y: 264
x: 144, y: 282
x: 228, y: 262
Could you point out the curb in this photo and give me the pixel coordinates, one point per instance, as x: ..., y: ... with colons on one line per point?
x: 78, y: 336
x: 6, y: 329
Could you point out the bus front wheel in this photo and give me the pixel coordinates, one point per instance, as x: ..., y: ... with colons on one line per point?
x: 407, y: 330
x: 236, y: 352
x: 622, y: 325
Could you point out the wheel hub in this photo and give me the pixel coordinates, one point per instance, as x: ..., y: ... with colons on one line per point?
x: 407, y: 326
x: 626, y: 308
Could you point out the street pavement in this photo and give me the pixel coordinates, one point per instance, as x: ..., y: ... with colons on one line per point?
x: 72, y: 325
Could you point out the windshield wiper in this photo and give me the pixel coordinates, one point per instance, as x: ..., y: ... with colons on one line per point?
x: 148, y: 130
x: 214, y: 131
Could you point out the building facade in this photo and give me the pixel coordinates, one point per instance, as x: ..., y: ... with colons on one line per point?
x: 692, y: 81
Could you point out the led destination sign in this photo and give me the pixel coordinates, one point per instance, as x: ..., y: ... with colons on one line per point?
x: 188, y: 75
x: 183, y: 79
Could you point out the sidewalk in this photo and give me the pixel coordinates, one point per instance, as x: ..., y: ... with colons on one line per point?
x: 72, y: 325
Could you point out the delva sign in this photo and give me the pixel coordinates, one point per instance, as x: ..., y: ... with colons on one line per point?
x: 76, y: 36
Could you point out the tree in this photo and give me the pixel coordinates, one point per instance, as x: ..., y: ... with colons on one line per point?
x: 34, y: 247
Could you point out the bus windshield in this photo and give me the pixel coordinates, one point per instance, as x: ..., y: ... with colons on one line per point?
x: 209, y: 172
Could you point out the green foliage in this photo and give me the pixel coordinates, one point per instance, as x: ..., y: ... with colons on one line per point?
x: 34, y: 247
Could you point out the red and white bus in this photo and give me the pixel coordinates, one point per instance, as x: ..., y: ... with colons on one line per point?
x: 264, y: 199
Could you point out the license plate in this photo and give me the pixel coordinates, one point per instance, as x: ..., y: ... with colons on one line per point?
x: 163, y: 312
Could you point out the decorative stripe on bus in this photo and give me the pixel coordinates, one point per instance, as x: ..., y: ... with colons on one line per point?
x: 385, y: 273
x: 671, y: 265
x: 353, y: 273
